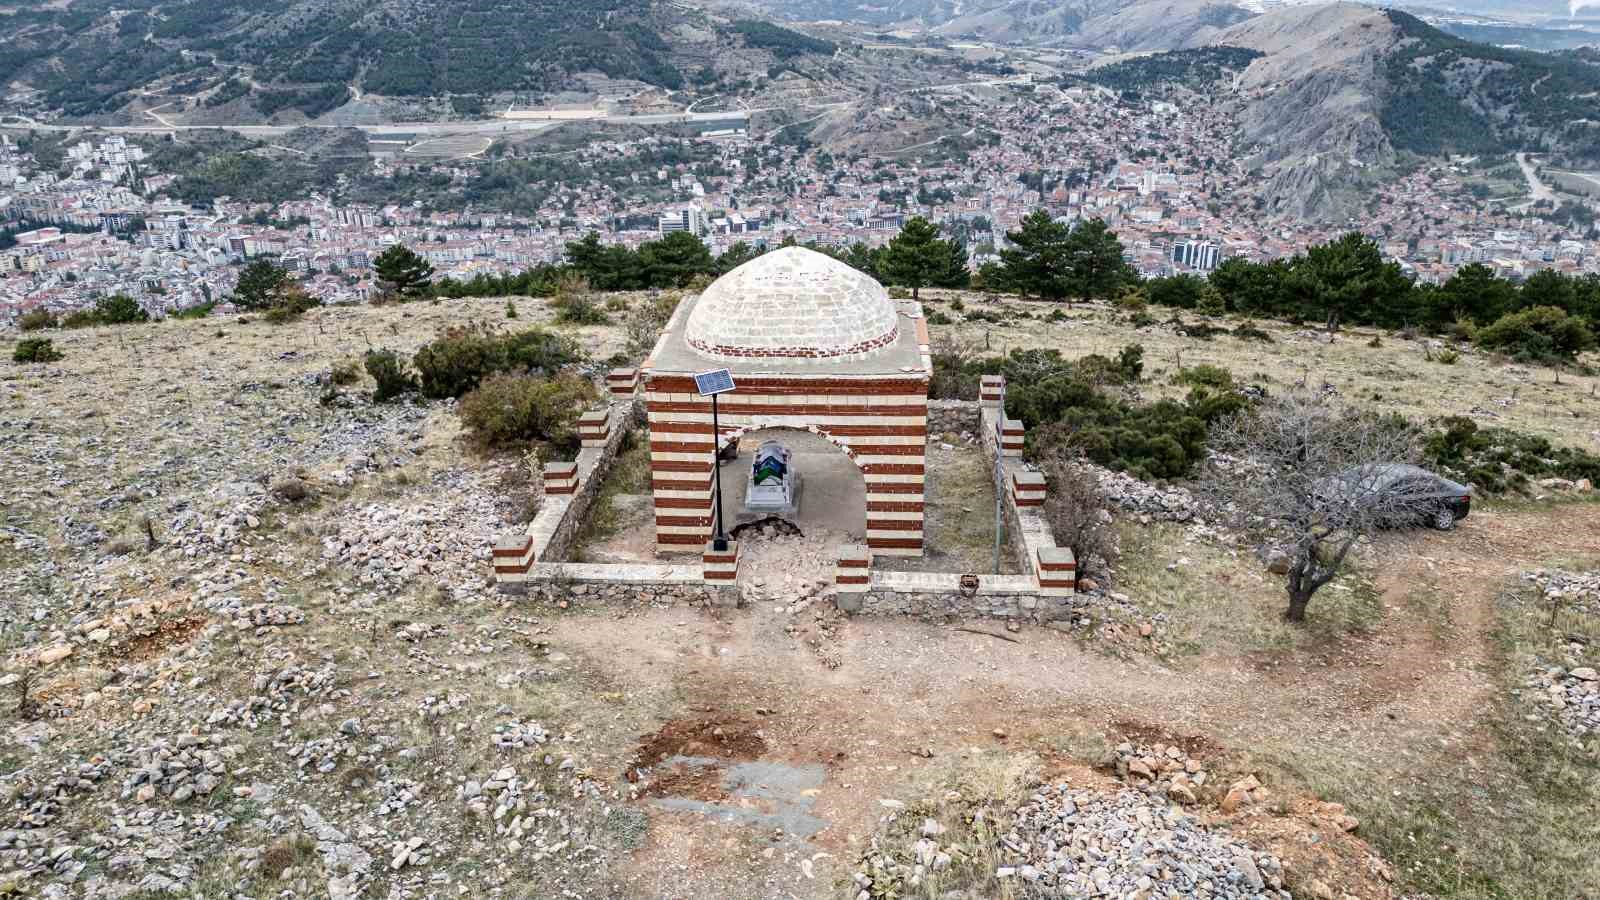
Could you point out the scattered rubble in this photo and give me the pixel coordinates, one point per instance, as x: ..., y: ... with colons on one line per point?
x: 1073, y: 843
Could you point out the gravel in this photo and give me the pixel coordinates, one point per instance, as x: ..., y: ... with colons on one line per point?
x: 1077, y: 843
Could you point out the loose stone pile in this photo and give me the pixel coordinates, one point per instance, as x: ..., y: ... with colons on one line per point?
x: 1161, y: 770
x: 1574, y: 694
x: 518, y: 735
x: 178, y: 769
x: 1077, y: 843
x: 1577, y: 591
x: 1149, y: 502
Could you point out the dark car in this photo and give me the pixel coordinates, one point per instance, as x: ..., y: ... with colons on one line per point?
x: 1406, y: 496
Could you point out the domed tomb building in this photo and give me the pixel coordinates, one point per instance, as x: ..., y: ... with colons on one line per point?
x: 812, y: 345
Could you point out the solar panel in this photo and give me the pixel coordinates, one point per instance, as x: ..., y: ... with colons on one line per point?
x: 717, y: 381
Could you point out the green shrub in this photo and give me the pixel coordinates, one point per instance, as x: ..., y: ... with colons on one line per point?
x: 1446, y: 357
x: 579, y: 309
x: 1543, y: 334
x: 1211, y: 303
x: 1208, y: 376
x: 508, y: 410
x: 292, y: 303
x: 511, y: 310
x: 80, y: 318
x: 119, y: 309
x: 388, y: 369
x: 456, y: 361
x: 197, y: 311
x: 35, y: 350
x: 1497, y: 460
x: 1249, y: 332
x: 938, y: 318
x: 1065, y: 412
x: 1137, y: 320
x: 1057, y: 315
x: 345, y: 372
x: 957, y: 305
x: 37, y: 320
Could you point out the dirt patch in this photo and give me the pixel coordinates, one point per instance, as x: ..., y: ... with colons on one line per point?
x: 685, y: 779
x: 717, y: 737
x: 160, y: 640
x: 1195, y: 745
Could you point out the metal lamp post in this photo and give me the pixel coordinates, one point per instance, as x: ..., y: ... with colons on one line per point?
x: 711, y: 384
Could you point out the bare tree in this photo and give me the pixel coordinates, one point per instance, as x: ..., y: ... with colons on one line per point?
x: 1076, y: 509
x: 1313, y: 478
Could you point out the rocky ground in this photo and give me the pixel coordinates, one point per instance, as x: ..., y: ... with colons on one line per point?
x: 250, y: 649
x: 1570, y: 689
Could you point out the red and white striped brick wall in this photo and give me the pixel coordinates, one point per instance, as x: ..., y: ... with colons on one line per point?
x: 881, y: 422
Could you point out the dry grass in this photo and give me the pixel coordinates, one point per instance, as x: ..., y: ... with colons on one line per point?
x: 1392, y: 378
x: 1509, y: 812
x: 960, y: 516
x: 973, y: 795
x: 1220, y: 599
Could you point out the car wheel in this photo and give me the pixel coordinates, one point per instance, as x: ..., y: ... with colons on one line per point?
x: 1444, y: 518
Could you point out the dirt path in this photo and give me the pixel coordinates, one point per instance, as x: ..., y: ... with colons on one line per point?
x: 903, y: 689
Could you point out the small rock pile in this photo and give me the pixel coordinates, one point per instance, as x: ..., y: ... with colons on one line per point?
x: 1161, y: 770
x: 1149, y: 502
x: 271, y: 615
x: 1577, y: 591
x: 1573, y: 693
x: 178, y: 769
x: 1079, y: 843
x: 519, y: 735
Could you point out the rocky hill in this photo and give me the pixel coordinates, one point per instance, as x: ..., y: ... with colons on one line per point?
x: 1341, y: 91
x: 1098, y: 25
x: 93, y: 58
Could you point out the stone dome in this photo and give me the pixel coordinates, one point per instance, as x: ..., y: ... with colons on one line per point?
x: 792, y: 302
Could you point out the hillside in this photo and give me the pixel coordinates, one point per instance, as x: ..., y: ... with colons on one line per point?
x: 94, y: 57
x: 1142, y: 25
x: 1449, y: 95
x: 248, y: 647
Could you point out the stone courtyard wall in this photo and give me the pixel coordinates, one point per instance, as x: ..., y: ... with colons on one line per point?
x: 937, y: 597
x: 953, y: 416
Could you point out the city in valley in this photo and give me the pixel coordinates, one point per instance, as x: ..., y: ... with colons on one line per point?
x: 1166, y: 176
x: 799, y: 450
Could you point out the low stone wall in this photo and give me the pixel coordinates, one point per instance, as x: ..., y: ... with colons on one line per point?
x: 549, y: 537
x: 938, y: 597
x: 953, y: 416
x: 625, y: 585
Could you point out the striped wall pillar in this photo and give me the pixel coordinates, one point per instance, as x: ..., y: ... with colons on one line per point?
x: 560, y: 479
x: 1056, y: 570
x: 594, y: 427
x: 513, y: 555
x: 622, y: 382
x: 881, y: 422
x: 853, y: 574
x: 992, y: 391
x: 1012, y: 437
x: 721, y: 569
x: 1027, y: 489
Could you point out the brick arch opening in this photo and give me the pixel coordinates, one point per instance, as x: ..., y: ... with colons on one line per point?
x: 741, y: 431
x: 833, y: 483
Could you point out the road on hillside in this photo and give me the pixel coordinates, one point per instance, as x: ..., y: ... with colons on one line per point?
x: 493, y: 126
x: 1535, y: 186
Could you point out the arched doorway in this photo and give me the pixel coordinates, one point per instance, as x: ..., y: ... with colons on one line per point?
x: 833, y: 491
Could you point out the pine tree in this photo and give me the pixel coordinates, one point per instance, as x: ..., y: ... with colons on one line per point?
x: 915, y: 257
x: 259, y: 285
x: 1095, y: 265
x: 407, y: 274
x: 1037, y: 262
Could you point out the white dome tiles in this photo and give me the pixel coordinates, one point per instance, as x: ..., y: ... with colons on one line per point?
x: 792, y: 303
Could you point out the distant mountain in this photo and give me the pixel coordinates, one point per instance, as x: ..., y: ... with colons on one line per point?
x: 1140, y: 25
x: 93, y: 57
x: 1334, y: 94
